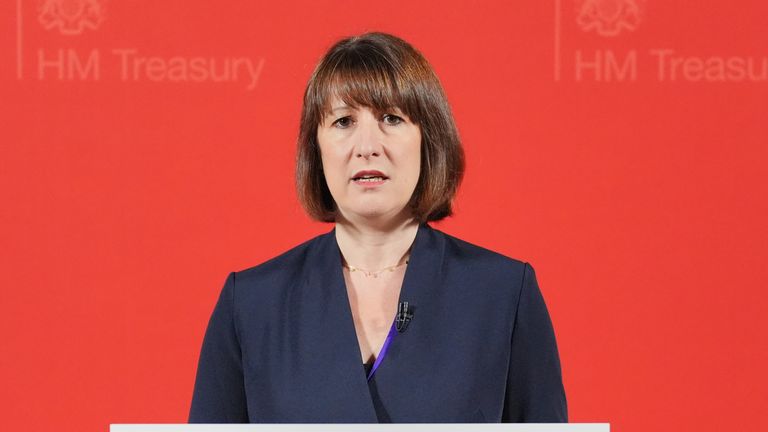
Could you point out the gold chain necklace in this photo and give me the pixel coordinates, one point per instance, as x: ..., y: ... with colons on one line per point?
x: 374, y: 273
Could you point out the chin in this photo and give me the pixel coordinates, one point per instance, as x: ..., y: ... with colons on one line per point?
x: 372, y: 213
x: 375, y: 212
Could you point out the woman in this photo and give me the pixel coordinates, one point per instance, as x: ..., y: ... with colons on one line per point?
x: 383, y: 319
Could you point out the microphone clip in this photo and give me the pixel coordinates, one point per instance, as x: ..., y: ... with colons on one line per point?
x: 404, y: 316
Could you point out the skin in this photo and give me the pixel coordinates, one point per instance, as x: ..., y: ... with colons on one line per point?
x: 374, y: 229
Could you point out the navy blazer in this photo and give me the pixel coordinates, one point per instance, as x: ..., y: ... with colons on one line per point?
x: 281, y: 345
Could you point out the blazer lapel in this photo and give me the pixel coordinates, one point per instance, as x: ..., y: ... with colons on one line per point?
x: 338, y: 358
x: 396, y: 383
x: 424, y: 268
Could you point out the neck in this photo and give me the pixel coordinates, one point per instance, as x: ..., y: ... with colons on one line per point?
x: 375, y: 247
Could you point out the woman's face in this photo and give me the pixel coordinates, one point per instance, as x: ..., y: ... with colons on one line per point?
x: 371, y: 161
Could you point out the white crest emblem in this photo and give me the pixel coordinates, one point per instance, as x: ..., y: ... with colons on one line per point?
x: 71, y: 17
x: 608, y: 17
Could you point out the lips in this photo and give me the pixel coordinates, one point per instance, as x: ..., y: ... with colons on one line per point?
x: 369, y: 176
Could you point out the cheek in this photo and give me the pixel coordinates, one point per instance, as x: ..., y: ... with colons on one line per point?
x: 415, y: 170
x: 414, y: 159
x: 333, y: 169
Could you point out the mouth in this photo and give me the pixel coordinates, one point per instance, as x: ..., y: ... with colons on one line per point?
x: 369, y: 177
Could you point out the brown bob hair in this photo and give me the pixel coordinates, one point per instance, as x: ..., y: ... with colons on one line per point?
x: 381, y: 71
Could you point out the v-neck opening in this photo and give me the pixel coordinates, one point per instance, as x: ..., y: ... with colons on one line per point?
x: 388, y: 338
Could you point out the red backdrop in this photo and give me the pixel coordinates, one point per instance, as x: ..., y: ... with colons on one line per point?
x: 619, y: 146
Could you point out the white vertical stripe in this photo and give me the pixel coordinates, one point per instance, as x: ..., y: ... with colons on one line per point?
x: 19, y: 59
x: 558, y: 23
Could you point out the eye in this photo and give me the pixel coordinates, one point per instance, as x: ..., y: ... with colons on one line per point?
x: 342, y: 123
x: 392, y: 119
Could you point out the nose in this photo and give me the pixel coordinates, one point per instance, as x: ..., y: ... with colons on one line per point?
x: 369, y: 139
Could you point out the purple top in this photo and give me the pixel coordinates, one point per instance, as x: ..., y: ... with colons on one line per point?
x: 390, y: 336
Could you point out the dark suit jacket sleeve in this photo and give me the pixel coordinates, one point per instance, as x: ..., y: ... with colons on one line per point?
x: 535, y: 391
x: 219, y: 395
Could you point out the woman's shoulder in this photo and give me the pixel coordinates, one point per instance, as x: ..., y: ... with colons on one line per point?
x: 462, y: 252
x: 497, y: 276
x: 462, y: 249
x: 284, y: 266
